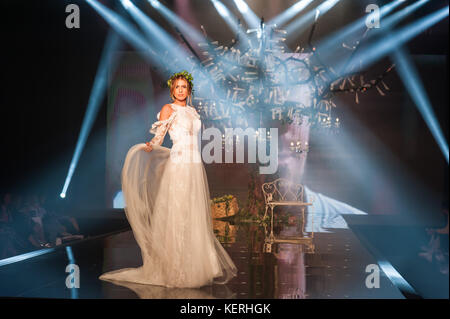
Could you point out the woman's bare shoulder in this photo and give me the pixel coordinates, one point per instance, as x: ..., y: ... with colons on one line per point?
x: 166, y: 111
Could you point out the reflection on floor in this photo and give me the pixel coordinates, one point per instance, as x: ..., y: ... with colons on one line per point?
x: 331, y: 265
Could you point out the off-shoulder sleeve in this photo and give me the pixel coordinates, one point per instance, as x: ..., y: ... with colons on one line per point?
x: 160, y: 128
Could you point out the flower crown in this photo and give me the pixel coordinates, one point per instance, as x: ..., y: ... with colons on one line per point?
x: 186, y: 75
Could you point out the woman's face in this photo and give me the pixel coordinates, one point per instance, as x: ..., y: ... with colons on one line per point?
x: 181, y: 89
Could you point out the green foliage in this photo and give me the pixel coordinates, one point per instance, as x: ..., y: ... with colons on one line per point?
x: 224, y: 198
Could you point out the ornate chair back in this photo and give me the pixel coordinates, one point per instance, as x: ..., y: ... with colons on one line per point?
x: 282, y: 190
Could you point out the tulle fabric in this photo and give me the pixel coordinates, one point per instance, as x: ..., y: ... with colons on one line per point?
x: 168, y: 207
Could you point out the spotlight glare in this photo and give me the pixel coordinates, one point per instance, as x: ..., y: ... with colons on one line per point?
x: 229, y: 19
x: 290, y: 12
x: 393, y: 19
x: 325, y: 47
x: 242, y: 6
x: 62, y: 195
x: 298, y: 25
x: 155, y: 4
x: 328, y: 5
x: 126, y: 3
x: 160, y: 39
x: 397, y: 38
x: 220, y: 8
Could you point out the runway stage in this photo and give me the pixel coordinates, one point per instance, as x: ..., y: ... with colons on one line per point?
x: 331, y: 265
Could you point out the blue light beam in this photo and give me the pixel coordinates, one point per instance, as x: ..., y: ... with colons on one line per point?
x: 177, y: 21
x: 228, y: 17
x: 289, y: 13
x: 414, y: 85
x: 300, y: 24
x: 249, y: 16
x: 325, y: 46
x: 127, y: 31
x: 163, y: 41
x: 97, y: 93
x: 393, y: 19
x: 393, y: 40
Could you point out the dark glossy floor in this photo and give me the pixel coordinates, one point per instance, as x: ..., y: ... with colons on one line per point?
x: 332, y: 264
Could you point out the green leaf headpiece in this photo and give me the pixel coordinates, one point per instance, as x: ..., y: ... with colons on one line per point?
x: 185, y: 74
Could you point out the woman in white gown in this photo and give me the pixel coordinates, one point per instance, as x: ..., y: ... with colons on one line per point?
x: 167, y: 203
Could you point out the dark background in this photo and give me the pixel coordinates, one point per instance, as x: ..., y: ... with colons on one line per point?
x: 48, y: 71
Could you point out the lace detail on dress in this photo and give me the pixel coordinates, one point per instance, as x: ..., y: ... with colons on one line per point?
x: 160, y: 128
x: 185, y: 135
x: 193, y: 111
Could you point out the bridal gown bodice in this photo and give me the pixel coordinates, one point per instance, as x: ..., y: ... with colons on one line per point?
x: 167, y: 203
x: 184, y: 127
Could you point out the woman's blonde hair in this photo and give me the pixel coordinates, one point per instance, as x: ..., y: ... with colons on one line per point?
x: 184, y: 75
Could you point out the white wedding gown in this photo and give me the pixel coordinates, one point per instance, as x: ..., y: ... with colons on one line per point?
x: 167, y: 203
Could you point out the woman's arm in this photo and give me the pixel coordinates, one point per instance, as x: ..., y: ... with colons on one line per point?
x: 161, y: 130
